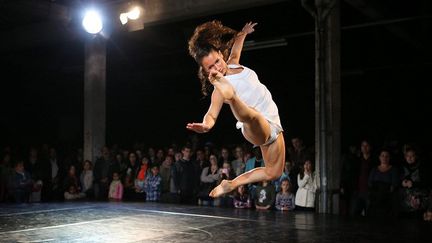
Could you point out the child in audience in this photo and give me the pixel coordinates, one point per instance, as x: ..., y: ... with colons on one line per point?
x: 242, y: 198
x: 142, y: 173
x: 129, y: 192
x: 73, y: 194
x: 285, y: 199
x: 153, y: 185
x: 265, y: 196
x: 86, y: 178
x: 116, y: 188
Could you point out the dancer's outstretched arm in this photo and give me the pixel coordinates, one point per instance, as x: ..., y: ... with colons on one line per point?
x: 237, y: 47
x: 210, y: 117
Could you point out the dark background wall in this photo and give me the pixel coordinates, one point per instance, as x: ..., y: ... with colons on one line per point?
x: 152, y: 89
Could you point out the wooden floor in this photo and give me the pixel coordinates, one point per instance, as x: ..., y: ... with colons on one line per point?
x: 151, y: 222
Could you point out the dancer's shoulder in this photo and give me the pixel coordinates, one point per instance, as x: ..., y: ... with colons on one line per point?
x: 234, y: 65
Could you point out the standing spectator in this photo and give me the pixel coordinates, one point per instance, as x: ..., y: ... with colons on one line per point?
x: 32, y: 163
x: 153, y: 185
x: 199, y: 164
x: 5, y: 173
x: 238, y: 164
x: 122, y: 163
x: 21, y: 184
x: 242, y: 198
x: 150, y: 152
x: 125, y: 154
x: 52, y: 176
x: 177, y: 156
x: 307, y: 182
x: 171, y: 151
x: 285, y: 199
x: 102, y: 173
x: 383, y: 181
x: 413, y: 191
x: 115, y: 188
x: 209, y: 178
x: 160, y: 156
x: 265, y: 196
x: 34, y: 166
x: 298, y: 152
x: 86, y: 179
x: 358, y: 184
x: 225, y: 173
x: 71, y: 179
x: 184, y: 178
x: 225, y: 156
x: 133, y: 165
x: 165, y: 173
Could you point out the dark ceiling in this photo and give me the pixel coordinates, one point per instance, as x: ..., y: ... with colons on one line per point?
x: 151, y: 81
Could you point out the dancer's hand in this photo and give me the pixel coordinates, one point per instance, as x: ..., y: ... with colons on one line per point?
x: 214, y: 75
x: 198, y: 127
x: 249, y: 28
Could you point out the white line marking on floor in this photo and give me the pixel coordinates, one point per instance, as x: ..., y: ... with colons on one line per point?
x: 186, y: 214
x: 43, y: 211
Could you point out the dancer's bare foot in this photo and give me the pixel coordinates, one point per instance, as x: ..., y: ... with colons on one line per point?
x: 222, y: 85
x: 223, y: 188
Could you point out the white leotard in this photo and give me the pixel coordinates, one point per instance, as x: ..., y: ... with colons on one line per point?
x: 256, y: 95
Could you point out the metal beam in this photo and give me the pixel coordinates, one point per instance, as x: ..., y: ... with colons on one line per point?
x: 57, y: 27
x: 162, y: 11
x: 22, y: 11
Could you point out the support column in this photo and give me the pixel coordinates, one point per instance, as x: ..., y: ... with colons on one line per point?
x: 327, y: 101
x: 94, y: 97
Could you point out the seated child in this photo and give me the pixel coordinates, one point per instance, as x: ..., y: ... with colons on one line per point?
x: 242, y: 198
x: 285, y: 199
x: 73, y: 194
x: 265, y: 196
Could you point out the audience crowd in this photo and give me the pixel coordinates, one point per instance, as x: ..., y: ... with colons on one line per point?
x: 387, y: 181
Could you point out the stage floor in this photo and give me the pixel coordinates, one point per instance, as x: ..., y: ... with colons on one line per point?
x: 151, y: 222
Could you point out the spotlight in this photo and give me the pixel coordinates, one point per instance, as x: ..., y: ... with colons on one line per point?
x: 134, y: 13
x: 92, y: 22
x: 124, y: 18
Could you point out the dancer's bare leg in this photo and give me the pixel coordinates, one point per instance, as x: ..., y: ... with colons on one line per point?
x: 274, y: 158
x: 256, y: 130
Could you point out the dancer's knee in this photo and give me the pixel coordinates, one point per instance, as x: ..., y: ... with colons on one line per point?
x: 250, y: 119
x: 272, y: 174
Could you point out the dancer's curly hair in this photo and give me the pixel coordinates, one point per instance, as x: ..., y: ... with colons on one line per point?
x: 208, y: 37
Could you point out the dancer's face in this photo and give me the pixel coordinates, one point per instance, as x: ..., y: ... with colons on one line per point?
x: 214, y: 61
